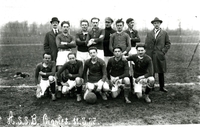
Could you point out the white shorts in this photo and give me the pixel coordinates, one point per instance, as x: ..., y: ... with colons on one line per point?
x: 69, y: 83
x: 100, y: 85
x: 115, y: 88
x: 100, y: 54
x: 44, y: 84
x: 119, y: 82
x: 133, y: 51
x: 83, y: 56
x: 62, y: 57
x: 138, y: 86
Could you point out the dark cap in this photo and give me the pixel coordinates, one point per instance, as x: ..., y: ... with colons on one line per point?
x: 109, y: 19
x: 129, y: 20
x: 156, y: 19
x: 54, y: 19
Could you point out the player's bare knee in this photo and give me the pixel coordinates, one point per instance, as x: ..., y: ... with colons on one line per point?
x: 51, y: 79
x: 78, y: 81
x: 151, y: 81
x: 106, y: 87
x: 126, y: 81
x: 65, y: 90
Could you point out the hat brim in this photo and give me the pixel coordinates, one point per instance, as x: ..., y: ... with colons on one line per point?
x: 55, y: 20
x: 156, y: 21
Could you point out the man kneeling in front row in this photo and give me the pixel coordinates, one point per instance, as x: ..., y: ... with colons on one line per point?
x: 73, y: 73
x: 143, y: 72
x: 95, y: 75
x: 118, y: 74
x: 46, y: 70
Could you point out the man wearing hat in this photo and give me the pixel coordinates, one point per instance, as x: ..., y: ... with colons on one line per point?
x: 157, y: 44
x: 50, y: 39
x: 108, y: 32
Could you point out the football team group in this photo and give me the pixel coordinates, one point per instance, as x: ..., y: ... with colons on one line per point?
x: 107, y: 61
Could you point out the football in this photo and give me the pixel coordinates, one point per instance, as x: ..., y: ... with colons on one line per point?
x: 91, y: 98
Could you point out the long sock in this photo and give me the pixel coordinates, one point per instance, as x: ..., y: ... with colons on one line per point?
x: 131, y: 81
x: 126, y: 92
x: 53, y: 87
x: 147, y: 90
x: 79, y: 89
x: 59, y: 86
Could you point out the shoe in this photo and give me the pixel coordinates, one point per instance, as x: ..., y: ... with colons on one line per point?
x: 163, y: 90
x: 104, y: 97
x: 78, y: 97
x: 59, y: 94
x: 147, y: 99
x: 53, y: 97
x: 127, y: 101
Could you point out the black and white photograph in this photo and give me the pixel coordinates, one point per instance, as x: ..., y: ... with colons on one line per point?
x: 97, y: 63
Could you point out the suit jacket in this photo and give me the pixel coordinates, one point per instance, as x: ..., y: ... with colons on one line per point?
x: 50, y: 44
x: 156, y: 48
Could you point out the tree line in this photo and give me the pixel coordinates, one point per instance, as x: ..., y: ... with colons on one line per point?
x: 23, y: 29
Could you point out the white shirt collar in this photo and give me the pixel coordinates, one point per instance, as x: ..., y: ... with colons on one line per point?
x: 119, y: 32
x: 131, y: 30
x: 84, y: 33
x: 55, y: 30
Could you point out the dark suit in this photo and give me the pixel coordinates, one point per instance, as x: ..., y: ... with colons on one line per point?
x: 50, y: 44
x: 156, y: 48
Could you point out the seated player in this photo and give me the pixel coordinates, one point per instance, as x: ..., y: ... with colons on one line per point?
x: 73, y: 72
x: 95, y: 74
x: 46, y: 70
x: 143, y: 72
x: 118, y: 74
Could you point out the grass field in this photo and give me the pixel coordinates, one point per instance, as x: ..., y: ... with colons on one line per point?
x: 181, y: 105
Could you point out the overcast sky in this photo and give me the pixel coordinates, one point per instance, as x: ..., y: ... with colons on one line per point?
x: 143, y: 11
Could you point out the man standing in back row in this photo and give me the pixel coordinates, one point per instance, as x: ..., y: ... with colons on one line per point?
x: 50, y: 39
x: 120, y: 39
x: 157, y: 44
x: 64, y: 43
x: 82, y: 49
x: 95, y: 37
x: 106, y: 41
x: 133, y: 35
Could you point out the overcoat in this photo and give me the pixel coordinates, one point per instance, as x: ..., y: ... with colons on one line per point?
x: 50, y: 44
x: 156, y: 48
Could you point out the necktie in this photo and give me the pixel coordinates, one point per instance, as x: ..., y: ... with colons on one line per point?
x: 156, y: 32
x: 56, y: 32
